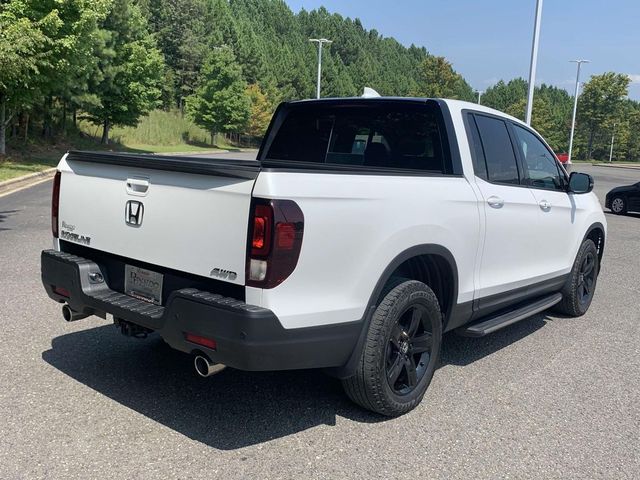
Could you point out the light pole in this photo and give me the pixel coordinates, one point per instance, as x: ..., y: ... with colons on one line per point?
x: 320, y: 42
x: 534, y: 61
x: 613, y: 135
x: 479, y: 96
x: 575, y: 106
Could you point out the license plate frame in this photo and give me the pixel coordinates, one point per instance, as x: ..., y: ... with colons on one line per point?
x: 143, y: 284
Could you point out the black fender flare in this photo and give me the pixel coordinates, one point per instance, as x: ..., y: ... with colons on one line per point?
x: 349, y: 368
x: 596, y: 226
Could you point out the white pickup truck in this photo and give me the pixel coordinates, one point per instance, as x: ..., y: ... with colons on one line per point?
x: 365, y: 229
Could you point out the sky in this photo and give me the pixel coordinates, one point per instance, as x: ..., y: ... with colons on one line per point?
x: 489, y: 40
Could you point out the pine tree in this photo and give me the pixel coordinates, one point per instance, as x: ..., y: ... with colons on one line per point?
x: 130, y: 69
x: 220, y: 104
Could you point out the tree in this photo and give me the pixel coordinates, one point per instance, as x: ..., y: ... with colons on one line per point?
x: 502, y: 96
x: 600, y: 106
x: 130, y: 69
x: 541, y: 118
x: 22, y: 46
x: 182, y: 28
x: 261, y: 111
x: 220, y: 103
x: 438, y: 79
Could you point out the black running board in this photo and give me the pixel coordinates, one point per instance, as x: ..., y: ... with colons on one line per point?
x: 491, y: 324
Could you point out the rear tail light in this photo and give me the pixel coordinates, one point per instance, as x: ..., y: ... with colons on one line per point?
x: 276, y: 229
x: 55, y: 204
x: 261, y: 237
x: 62, y: 291
x: 199, y: 340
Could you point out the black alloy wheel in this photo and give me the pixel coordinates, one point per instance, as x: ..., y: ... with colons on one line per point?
x: 408, y: 350
x: 587, y: 278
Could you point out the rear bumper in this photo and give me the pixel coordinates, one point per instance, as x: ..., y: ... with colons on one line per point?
x: 247, y: 337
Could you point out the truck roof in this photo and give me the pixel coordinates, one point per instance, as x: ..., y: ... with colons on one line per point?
x: 456, y: 105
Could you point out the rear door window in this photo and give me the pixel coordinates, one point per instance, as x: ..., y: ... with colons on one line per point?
x: 479, y: 162
x: 380, y: 136
x: 499, y: 156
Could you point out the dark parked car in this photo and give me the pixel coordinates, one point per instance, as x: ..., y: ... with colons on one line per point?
x: 624, y: 199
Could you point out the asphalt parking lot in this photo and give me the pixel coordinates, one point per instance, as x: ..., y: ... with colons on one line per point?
x: 548, y: 397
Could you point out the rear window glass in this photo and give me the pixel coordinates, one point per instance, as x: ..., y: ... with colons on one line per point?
x: 393, y: 136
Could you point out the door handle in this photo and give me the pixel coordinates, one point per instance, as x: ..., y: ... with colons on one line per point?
x: 137, y: 185
x: 495, y: 202
x: 545, y: 205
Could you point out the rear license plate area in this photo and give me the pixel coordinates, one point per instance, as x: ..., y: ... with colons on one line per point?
x: 143, y: 284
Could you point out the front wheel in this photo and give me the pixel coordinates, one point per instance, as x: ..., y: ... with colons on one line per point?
x: 577, y: 293
x: 400, y: 352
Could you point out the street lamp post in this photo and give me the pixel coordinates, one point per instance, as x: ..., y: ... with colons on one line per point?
x: 479, y: 96
x: 575, y: 106
x: 613, y: 135
x: 534, y: 61
x: 320, y: 42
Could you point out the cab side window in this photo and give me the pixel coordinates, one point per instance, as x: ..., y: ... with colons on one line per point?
x: 499, y: 156
x: 540, y: 165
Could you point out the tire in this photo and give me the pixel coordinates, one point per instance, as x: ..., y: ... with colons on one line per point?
x: 577, y: 293
x: 618, y: 205
x: 401, y: 351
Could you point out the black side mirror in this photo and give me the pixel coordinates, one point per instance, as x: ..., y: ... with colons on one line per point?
x: 580, y: 182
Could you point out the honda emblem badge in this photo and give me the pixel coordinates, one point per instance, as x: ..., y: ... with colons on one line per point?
x: 133, y: 213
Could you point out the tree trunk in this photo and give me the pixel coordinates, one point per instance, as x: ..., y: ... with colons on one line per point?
x: 75, y: 118
x: 105, y: 133
x: 64, y: 117
x: 46, y: 122
x: 213, y: 138
x: 26, y: 128
x: 592, y: 133
x: 3, y: 114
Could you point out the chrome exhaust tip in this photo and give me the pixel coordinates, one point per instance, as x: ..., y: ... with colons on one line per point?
x: 71, y: 315
x: 205, y: 367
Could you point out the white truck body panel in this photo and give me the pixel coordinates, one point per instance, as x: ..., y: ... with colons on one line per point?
x: 192, y: 223
x: 357, y: 224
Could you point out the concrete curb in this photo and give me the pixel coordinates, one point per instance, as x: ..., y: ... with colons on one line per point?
x: 24, y: 181
x: 629, y: 167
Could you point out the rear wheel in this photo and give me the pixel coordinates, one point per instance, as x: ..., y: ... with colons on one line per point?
x: 618, y: 205
x: 400, y: 352
x: 578, y: 292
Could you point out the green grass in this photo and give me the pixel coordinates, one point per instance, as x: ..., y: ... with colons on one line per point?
x: 158, y: 131
x: 180, y: 148
x: 16, y: 167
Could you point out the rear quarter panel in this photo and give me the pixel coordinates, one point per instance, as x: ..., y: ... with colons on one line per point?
x: 355, y: 225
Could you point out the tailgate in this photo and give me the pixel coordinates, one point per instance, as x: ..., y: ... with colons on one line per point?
x: 187, y: 214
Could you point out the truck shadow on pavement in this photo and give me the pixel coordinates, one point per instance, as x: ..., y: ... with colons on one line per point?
x: 4, y: 215
x: 230, y: 410
x: 461, y: 351
x: 233, y: 409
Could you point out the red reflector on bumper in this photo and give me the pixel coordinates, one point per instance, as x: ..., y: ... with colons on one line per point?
x: 204, y: 341
x: 62, y: 291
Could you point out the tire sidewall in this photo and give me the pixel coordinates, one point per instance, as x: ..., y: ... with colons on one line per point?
x: 587, y: 246
x: 414, y: 293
